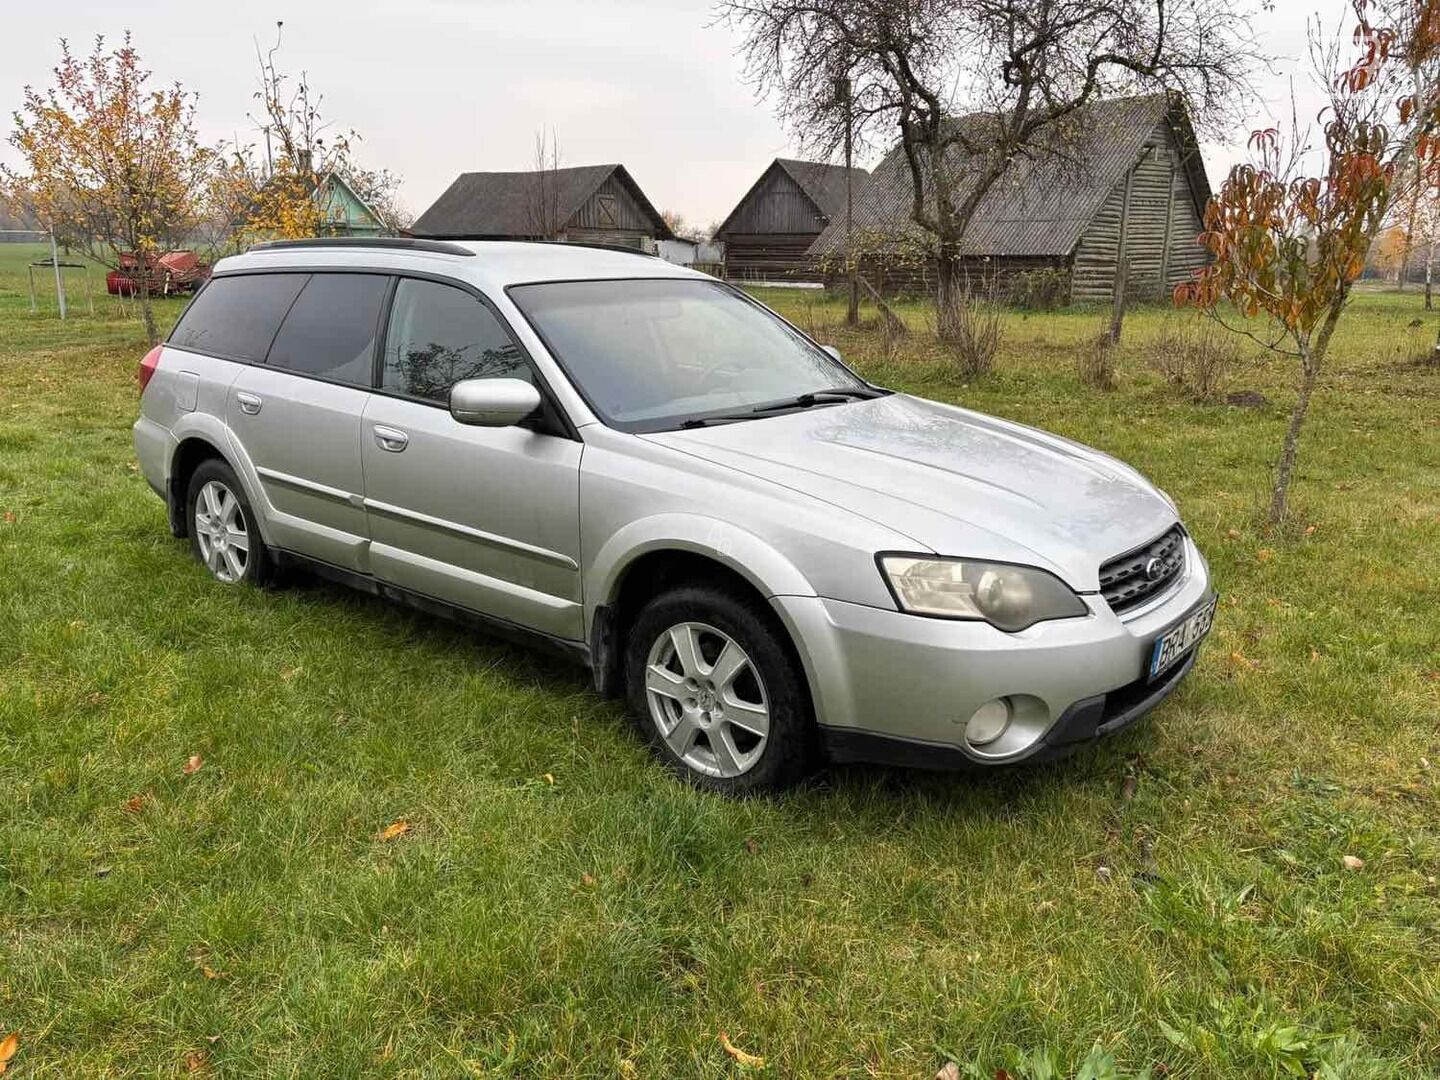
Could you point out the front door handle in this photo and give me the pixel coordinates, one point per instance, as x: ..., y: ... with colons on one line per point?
x: 392, y: 439
x: 249, y: 403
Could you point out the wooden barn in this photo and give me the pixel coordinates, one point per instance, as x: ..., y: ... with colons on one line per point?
x: 769, y: 232
x: 598, y: 204
x: 1126, y: 181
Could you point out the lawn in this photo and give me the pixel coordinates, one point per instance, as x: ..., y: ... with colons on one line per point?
x: 560, y: 907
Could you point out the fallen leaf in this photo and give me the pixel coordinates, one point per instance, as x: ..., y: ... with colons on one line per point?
x: 9, y: 518
x: 1352, y: 862
x: 1232, y: 534
x: 103, y: 871
x: 1239, y: 659
x: 135, y: 803
x: 752, y: 846
x: 587, y: 879
x: 209, y: 972
x: 394, y: 829
x: 1310, y: 530
x: 1127, y: 789
x: 750, y: 1061
x: 948, y: 1071
x: 549, y: 779
x: 192, y: 766
x: 1264, y: 554
x: 8, y: 1046
x: 195, y: 1061
x: 1314, y: 655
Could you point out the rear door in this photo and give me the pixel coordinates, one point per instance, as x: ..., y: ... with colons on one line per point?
x: 485, y: 518
x: 297, y: 416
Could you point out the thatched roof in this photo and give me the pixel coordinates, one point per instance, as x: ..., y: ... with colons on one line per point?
x: 1041, y: 205
x: 498, y: 205
x: 823, y: 185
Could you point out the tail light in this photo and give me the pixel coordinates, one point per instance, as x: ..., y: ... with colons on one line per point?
x: 146, y: 370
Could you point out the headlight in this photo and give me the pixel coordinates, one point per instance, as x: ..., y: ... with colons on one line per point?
x: 1005, y: 596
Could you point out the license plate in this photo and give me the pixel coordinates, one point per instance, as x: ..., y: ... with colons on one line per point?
x: 1171, y: 646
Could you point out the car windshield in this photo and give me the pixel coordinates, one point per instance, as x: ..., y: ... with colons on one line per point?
x: 651, y: 355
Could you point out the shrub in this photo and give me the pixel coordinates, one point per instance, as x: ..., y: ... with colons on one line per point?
x: 1096, y: 363
x: 1193, y: 356
x: 1047, y: 289
x: 972, y: 329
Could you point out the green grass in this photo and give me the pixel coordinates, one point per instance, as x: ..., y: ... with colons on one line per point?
x: 562, y: 908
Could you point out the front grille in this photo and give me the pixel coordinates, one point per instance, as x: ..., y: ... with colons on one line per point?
x: 1130, y: 579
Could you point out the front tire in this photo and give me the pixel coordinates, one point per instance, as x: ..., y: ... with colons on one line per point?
x: 223, y: 534
x: 715, y: 687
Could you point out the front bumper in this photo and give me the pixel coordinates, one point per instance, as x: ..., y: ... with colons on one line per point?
x: 893, y: 687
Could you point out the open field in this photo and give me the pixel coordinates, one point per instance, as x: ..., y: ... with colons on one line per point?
x: 560, y: 907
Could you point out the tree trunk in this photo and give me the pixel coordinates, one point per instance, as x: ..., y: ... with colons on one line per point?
x: 949, y: 289
x: 152, y: 333
x: 1311, y: 360
x: 1429, y: 276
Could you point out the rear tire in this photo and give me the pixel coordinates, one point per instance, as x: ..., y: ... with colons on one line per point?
x: 223, y: 533
x: 715, y: 687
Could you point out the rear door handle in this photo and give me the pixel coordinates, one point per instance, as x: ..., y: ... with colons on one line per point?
x: 249, y: 403
x: 392, y: 439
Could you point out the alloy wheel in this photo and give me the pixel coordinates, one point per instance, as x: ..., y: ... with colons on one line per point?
x: 707, y: 699
x: 221, y: 531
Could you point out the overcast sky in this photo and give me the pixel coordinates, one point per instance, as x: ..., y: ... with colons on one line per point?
x: 439, y: 87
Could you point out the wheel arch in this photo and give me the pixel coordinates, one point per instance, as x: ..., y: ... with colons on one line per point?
x: 198, y: 438
x: 653, y: 554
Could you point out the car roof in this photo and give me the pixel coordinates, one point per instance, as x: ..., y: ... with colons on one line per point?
x: 491, y: 264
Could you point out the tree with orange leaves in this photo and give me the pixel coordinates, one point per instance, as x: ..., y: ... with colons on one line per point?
x: 1290, y: 246
x: 116, y: 161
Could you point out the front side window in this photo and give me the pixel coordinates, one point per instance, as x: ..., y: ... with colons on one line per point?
x: 330, y: 331
x: 236, y: 316
x: 439, y: 335
x: 650, y: 355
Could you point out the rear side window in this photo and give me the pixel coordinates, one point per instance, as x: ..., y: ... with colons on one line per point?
x: 439, y: 335
x: 237, y: 316
x: 330, y: 330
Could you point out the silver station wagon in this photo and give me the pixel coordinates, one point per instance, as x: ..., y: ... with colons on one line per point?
x: 774, y: 561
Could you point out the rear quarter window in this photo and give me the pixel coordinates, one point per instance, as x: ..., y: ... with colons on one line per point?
x: 237, y: 316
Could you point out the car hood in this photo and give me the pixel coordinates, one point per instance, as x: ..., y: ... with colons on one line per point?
x: 954, y: 481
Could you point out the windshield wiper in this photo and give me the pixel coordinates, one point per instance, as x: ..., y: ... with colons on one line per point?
x: 835, y: 396
x: 831, y: 396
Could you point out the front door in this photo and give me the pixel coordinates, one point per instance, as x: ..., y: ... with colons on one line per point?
x: 484, y: 518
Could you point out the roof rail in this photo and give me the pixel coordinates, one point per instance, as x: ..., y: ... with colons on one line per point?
x: 596, y: 245
x: 399, y: 243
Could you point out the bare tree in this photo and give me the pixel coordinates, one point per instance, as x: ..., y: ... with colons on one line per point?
x: 542, y: 207
x: 1023, y: 71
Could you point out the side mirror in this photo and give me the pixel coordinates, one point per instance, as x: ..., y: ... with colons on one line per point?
x: 832, y: 350
x: 493, y: 402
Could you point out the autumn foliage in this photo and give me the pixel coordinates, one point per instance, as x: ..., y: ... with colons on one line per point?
x: 110, y: 160
x: 1287, y: 246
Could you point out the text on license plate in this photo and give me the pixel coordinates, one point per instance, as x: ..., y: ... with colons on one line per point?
x: 1181, y: 638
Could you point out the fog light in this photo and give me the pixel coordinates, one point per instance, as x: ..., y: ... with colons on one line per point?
x: 989, y: 722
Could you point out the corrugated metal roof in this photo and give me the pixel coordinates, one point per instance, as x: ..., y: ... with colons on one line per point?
x: 1042, y: 203
x: 499, y: 204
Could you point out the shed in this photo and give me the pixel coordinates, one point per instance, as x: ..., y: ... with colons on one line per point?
x: 770, y: 230
x: 1124, y: 179
x: 583, y: 204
